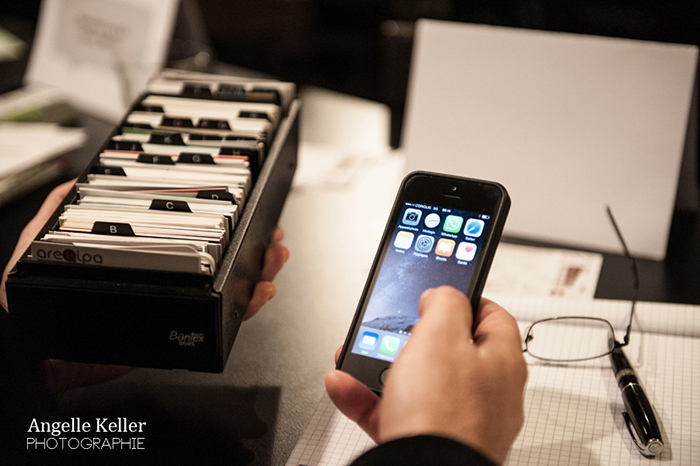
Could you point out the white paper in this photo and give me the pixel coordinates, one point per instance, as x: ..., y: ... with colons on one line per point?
x: 525, y: 270
x: 32, y: 154
x: 327, y: 165
x: 568, y: 123
x: 101, y: 53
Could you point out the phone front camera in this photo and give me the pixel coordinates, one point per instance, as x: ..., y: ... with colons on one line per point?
x: 454, y: 188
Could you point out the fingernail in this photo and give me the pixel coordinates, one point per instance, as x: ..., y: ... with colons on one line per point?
x: 426, y: 293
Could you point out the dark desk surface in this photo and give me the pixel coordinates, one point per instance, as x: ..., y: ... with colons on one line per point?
x: 255, y: 411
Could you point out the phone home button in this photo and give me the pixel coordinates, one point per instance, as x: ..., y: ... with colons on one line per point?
x: 383, y: 376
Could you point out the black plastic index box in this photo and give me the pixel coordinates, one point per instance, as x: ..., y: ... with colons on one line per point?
x: 146, y: 318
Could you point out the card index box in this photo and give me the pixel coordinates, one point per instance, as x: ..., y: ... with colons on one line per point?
x: 146, y: 318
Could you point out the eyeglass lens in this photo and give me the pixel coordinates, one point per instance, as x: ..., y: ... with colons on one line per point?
x: 570, y: 339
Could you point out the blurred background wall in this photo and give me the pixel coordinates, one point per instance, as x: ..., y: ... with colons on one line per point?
x: 363, y: 47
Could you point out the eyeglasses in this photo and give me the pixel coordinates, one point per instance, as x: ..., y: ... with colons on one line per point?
x: 575, y: 338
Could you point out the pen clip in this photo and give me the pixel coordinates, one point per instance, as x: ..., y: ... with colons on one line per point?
x: 641, y: 446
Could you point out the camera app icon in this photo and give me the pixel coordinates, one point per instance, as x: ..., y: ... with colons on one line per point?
x: 424, y: 243
x: 412, y: 217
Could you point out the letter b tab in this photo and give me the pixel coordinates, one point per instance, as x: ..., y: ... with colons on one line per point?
x: 109, y: 228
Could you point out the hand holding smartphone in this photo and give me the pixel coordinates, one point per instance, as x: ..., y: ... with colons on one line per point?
x: 442, y: 230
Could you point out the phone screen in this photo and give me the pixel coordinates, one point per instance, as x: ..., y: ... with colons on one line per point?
x: 430, y: 246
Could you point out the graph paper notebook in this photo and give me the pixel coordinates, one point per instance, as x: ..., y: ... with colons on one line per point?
x: 573, y: 412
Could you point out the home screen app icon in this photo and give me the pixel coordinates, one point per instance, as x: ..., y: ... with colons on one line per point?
x: 403, y: 240
x: 424, y: 243
x: 412, y: 217
x: 466, y: 251
x: 368, y: 341
x: 445, y: 247
x: 453, y: 223
x: 474, y: 227
x: 390, y: 345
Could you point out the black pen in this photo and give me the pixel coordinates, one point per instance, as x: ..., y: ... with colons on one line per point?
x: 639, y: 416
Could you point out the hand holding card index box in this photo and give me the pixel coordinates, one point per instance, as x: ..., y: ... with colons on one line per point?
x: 164, y: 234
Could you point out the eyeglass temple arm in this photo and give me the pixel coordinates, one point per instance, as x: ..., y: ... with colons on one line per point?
x: 635, y: 272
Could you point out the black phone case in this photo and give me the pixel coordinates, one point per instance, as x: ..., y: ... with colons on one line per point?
x: 478, y: 286
x: 151, y: 318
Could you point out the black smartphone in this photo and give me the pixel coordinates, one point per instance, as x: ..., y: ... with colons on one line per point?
x: 443, y: 230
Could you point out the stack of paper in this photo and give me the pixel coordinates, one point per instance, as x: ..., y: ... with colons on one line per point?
x: 32, y: 154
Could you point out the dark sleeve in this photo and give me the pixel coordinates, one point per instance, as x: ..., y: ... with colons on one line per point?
x: 23, y: 393
x: 423, y: 450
